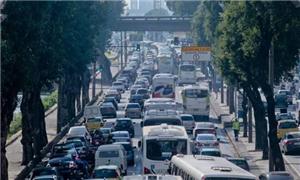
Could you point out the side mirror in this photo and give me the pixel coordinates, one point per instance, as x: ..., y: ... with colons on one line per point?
x: 133, y: 122
x: 216, y: 127
x: 218, y: 139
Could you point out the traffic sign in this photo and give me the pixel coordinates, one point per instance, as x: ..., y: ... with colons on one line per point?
x: 195, y: 53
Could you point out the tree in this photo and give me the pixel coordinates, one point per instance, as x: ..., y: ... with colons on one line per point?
x: 242, y: 53
x: 183, y: 8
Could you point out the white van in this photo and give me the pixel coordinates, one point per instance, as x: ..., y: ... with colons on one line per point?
x: 113, y: 154
x: 79, y: 131
x: 92, y: 111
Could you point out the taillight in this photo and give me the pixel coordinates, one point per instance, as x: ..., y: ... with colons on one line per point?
x: 146, y: 170
x: 288, y: 142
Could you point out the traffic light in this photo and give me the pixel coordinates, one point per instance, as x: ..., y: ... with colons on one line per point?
x: 138, y: 47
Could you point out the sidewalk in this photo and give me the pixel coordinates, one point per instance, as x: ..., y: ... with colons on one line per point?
x: 243, y: 148
x: 14, y: 150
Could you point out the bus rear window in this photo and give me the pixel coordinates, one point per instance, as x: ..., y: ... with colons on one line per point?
x: 187, y: 68
x: 153, y: 122
x: 196, y: 93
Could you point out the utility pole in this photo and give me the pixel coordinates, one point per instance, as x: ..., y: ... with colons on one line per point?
x: 222, y: 90
x: 121, y: 50
x: 125, y: 47
x: 94, y: 80
x: 250, y: 139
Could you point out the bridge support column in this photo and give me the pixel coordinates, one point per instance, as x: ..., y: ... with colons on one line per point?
x: 125, y: 47
x: 121, y: 50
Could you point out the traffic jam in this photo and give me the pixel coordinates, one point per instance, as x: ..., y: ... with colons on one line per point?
x: 154, y: 122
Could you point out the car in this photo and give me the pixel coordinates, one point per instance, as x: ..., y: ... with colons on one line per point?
x: 46, y: 177
x: 133, y: 110
x: 143, y: 83
x: 285, y: 126
x: 98, y: 138
x: 144, y: 92
x: 240, y: 162
x: 290, y: 142
x: 210, y: 152
x: 276, y: 175
x: 80, y: 147
x: 106, y: 132
x: 206, y: 140
x: 69, y: 166
x: 111, y: 100
x: 188, y: 121
x: 288, y: 94
x: 119, y: 86
x: 137, y: 98
x: 204, y: 127
x: 114, y: 93
x: 91, y: 111
x: 129, y: 151
x: 43, y: 171
x: 120, y: 136
x: 63, y: 149
x: 125, y: 81
x: 76, y: 131
x: 284, y: 116
x: 111, y: 154
x: 94, y: 123
x: 108, y: 172
x: 108, y: 110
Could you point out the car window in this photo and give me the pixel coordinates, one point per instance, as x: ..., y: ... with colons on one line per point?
x: 291, y: 136
x: 93, y: 120
x: 287, y: 125
x: 133, y: 106
x: 187, y: 118
x: 105, y: 173
x: 109, y: 154
x: 203, y: 138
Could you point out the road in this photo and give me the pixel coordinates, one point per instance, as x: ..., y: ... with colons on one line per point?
x: 14, y: 150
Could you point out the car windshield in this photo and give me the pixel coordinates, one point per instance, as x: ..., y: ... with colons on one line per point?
x: 238, y: 162
x: 105, y: 131
x: 76, y: 143
x: 142, y: 91
x: 169, y: 121
x: 109, y: 154
x: 187, y: 118
x: 120, y: 135
x: 206, y: 138
x: 43, y: 172
x: 158, y: 149
x: 94, y: 120
x: 187, y: 68
x: 211, y: 153
x: 287, y: 125
x: 294, y: 136
x: 133, y: 106
x: 127, y: 147
x: 105, y: 173
x: 196, y: 93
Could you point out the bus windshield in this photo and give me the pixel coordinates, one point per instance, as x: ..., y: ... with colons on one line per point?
x: 196, y: 93
x: 158, y: 121
x: 187, y: 68
x: 158, y: 149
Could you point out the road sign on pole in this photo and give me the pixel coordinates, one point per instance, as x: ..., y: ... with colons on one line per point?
x: 195, y: 53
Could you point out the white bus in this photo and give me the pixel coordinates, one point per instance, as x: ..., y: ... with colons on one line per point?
x: 165, y: 63
x: 195, y: 100
x: 159, y: 143
x: 187, y: 74
x: 196, y: 167
x: 163, y: 85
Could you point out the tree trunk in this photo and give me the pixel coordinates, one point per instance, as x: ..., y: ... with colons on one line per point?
x: 85, y: 87
x: 245, y: 111
x: 8, y: 105
x: 278, y: 163
x: 106, y: 73
x: 66, y: 100
x: 261, y: 141
x: 34, y: 136
x: 77, y: 93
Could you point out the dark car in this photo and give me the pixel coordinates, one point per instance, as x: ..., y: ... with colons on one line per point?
x: 97, y: 137
x: 276, y: 175
x: 129, y: 151
x: 240, y: 162
x: 290, y: 143
x: 124, y: 124
x: 60, y: 150
x: 69, y: 166
x: 137, y: 98
x: 81, y: 148
x: 108, y: 110
x: 43, y: 171
x: 112, y: 100
x: 144, y: 92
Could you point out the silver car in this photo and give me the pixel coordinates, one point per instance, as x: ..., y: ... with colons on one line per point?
x: 188, y: 122
x: 206, y: 140
x: 133, y: 110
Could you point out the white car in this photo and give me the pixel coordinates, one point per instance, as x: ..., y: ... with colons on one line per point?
x: 188, y: 122
x: 206, y: 140
x: 120, y: 136
x: 79, y: 131
x: 119, y: 86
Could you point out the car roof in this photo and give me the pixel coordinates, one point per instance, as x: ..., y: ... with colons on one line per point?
x: 120, y: 132
x: 210, y: 149
x: 286, y: 120
x: 124, y: 119
x: 123, y: 142
x: 189, y: 115
x: 106, y: 167
x: 110, y: 147
x: 205, y: 134
x: 45, y: 177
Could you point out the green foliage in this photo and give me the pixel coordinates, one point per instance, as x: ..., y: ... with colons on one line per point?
x: 50, y: 100
x: 15, y: 125
x: 157, y: 12
x: 183, y: 8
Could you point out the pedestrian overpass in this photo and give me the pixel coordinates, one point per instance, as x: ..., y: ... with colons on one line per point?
x: 153, y: 23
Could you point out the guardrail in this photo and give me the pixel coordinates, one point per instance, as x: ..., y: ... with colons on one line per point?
x: 36, y: 160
